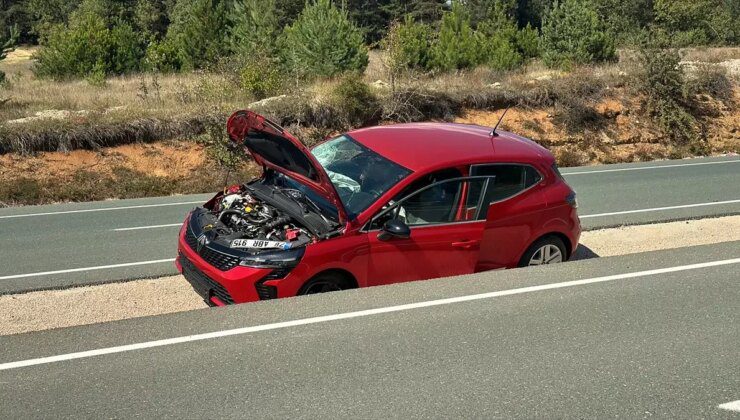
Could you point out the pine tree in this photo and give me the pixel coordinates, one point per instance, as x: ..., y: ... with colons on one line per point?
x: 151, y: 18
x: 408, y: 46
x: 254, y: 28
x: 532, y: 12
x: 370, y: 15
x: 425, y: 11
x: 94, y: 43
x: 323, y: 42
x: 7, y: 44
x: 486, y: 10
x: 7, y: 41
x: 573, y: 33
x: 457, y: 46
x: 697, y: 22
x: 499, y: 37
x: 198, y: 32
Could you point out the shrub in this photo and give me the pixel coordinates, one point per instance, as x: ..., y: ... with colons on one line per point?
x: 663, y: 83
x: 573, y: 34
x: 457, y: 46
x: 261, y: 78
x: 220, y: 149
x: 711, y: 80
x: 323, y: 42
x: 163, y: 56
x: 567, y: 156
x: 696, y: 22
x: 355, y: 101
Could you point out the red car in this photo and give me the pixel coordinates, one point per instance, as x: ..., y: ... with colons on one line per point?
x: 376, y: 206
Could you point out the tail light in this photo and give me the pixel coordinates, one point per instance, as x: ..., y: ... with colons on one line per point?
x: 572, y: 200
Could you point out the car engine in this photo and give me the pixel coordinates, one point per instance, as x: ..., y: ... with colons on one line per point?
x: 249, y: 223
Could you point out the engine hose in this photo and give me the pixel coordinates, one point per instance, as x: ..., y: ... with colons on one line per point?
x: 231, y: 211
x: 284, y: 220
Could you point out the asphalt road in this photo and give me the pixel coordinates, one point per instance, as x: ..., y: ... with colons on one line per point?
x: 535, y: 345
x: 62, y: 245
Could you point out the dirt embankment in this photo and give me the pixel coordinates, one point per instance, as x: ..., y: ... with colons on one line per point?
x: 88, y: 305
x: 616, y: 132
x: 128, y: 171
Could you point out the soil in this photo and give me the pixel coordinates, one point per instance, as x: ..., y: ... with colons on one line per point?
x: 89, y: 305
x: 165, y: 159
x: 621, y: 135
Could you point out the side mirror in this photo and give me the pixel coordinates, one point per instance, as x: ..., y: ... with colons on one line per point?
x: 394, y: 229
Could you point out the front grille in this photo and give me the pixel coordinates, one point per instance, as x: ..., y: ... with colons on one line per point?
x: 202, y: 283
x: 217, y: 259
x: 266, y: 292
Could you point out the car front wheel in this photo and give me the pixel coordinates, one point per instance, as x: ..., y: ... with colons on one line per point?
x: 547, y: 250
x: 324, y: 283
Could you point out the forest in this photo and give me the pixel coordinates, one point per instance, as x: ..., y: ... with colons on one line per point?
x: 596, y: 81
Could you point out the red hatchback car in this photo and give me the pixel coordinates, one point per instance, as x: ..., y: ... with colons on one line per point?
x: 376, y: 206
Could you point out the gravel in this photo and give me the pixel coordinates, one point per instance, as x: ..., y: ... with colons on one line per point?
x: 88, y: 305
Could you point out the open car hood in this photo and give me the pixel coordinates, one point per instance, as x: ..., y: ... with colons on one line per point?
x: 274, y: 148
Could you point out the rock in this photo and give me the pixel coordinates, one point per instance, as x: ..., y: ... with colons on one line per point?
x: 496, y: 85
x: 267, y: 101
x: 50, y: 114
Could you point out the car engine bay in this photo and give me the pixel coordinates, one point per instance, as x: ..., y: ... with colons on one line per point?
x: 241, y: 220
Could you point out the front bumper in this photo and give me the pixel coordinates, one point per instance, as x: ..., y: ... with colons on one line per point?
x: 218, y: 288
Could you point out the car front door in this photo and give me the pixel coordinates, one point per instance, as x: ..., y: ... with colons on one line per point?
x: 445, y: 234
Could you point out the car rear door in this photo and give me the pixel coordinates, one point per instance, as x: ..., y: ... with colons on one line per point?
x: 513, y: 209
x: 445, y: 234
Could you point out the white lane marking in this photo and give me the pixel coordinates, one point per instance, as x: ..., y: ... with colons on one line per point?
x: 684, y: 206
x: 356, y: 314
x: 146, y: 227
x: 144, y: 206
x: 77, y: 270
x: 644, y: 168
x: 731, y: 406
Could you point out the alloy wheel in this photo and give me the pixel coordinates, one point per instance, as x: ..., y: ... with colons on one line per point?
x: 547, y: 254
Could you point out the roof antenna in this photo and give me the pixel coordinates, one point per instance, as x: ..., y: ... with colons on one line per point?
x: 493, y: 132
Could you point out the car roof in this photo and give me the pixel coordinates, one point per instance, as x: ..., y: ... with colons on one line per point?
x: 421, y: 146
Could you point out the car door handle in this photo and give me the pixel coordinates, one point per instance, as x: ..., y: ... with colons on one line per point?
x: 465, y: 244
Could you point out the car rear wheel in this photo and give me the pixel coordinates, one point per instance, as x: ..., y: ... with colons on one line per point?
x: 325, y: 283
x: 547, y: 250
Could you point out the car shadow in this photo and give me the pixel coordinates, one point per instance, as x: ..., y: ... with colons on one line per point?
x: 583, y: 253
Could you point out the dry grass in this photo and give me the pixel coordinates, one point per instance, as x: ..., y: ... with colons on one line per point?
x: 155, y: 96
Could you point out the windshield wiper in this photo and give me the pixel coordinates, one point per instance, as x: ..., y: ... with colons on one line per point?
x: 306, y: 200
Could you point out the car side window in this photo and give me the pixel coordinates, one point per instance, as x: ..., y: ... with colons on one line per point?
x: 437, y: 204
x: 509, y: 180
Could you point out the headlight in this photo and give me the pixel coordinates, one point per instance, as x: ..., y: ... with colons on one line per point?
x: 274, y: 259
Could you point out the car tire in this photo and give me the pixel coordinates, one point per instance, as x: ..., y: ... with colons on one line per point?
x: 546, y: 250
x: 325, y: 283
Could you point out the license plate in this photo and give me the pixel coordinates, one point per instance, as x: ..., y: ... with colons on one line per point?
x: 259, y: 244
